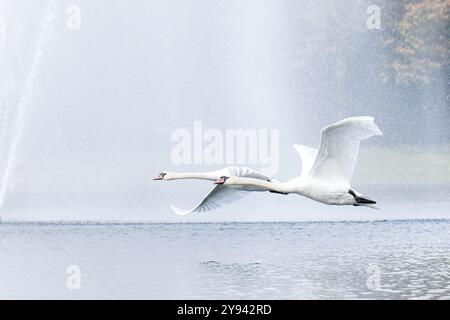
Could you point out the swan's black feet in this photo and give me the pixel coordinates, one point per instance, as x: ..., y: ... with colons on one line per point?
x: 359, y: 199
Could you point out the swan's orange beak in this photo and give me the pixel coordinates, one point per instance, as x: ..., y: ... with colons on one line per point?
x: 158, y: 178
x: 220, y: 181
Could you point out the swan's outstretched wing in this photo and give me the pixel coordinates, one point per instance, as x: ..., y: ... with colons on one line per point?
x: 339, y: 148
x: 217, y: 197
x: 246, y: 172
x: 222, y: 194
x: 307, y: 155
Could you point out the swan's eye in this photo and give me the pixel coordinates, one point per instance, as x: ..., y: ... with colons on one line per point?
x: 162, y: 174
x: 224, y: 178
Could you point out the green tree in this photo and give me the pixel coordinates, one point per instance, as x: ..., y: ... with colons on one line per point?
x: 418, y: 41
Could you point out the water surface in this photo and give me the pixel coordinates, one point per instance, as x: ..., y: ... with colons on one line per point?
x: 301, y: 260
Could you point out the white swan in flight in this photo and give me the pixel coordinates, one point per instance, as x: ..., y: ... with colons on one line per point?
x: 220, y: 194
x: 326, y: 179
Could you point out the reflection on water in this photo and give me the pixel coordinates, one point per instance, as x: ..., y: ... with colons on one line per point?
x: 305, y: 260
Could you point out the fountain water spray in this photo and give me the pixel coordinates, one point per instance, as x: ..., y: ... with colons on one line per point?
x: 26, y: 101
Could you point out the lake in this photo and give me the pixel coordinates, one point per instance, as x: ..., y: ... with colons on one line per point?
x: 403, y: 259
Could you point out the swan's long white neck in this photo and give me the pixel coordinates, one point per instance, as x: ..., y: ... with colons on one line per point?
x: 192, y: 175
x: 285, y: 187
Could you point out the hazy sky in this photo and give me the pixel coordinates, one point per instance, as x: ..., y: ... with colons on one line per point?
x: 91, y: 94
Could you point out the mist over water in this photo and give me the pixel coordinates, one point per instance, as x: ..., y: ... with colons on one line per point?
x: 87, y: 114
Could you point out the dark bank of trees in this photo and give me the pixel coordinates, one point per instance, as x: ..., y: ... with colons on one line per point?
x: 416, y: 65
x: 417, y: 37
x: 398, y: 72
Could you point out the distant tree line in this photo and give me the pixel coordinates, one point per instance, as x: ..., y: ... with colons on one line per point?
x: 418, y: 38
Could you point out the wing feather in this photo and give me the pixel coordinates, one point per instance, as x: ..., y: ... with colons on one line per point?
x: 221, y: 194
x: 339, y: 148
x: 308, y: 156
x: 217, y: 197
